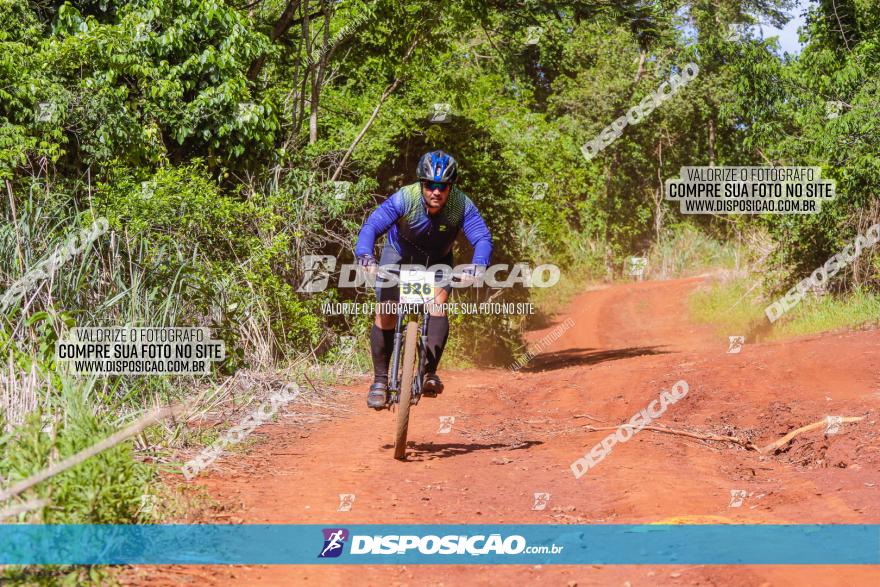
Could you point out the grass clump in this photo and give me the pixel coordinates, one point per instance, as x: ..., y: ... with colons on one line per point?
x: 736, y: 306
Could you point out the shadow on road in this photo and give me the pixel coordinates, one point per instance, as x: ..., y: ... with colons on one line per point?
x: 426, y: 451
x: 570, y: 357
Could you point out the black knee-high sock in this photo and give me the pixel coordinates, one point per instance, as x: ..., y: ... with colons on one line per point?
x: 381, y: 346
x: 438, y: 332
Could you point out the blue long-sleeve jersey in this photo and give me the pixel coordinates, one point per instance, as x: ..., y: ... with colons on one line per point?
x: 419, y: 237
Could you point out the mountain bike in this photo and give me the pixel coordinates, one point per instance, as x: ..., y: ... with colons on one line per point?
x: 409, y: 352
x: 408, y: 356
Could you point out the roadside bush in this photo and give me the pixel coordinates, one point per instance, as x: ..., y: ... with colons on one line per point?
x: 232, y: 253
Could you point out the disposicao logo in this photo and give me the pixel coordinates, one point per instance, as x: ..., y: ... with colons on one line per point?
x: 472, y: 545
x: 334, y: 540
x: 404, y: 544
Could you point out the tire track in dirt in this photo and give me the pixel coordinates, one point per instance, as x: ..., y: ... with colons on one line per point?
x: 515, y: 435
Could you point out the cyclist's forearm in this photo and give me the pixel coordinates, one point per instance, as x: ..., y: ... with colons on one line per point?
x: 483, y: 252
x: 366, y: 242
x: 377, y: 224
x: 477, y: 233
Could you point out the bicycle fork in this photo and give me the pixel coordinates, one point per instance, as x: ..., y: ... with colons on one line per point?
x: 422, y: 355
x: 394, y: 388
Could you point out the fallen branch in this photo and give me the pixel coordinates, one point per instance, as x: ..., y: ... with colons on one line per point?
x: 315, y: 389
x: 768, y: 449
x: 23, y: 507
x: 699, y: 436
x: 774, y: 446
x: 109, y: 442
x: 184, y: 410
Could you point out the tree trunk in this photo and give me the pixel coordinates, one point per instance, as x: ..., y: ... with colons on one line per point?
x: 311, y: 73
x: 658, y: 200
x: 712, y: 141
x: 318, y: 77
x: 284, y: 22
x: 641, y: 69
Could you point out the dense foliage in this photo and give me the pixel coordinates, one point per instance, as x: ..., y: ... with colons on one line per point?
x: 212, y: 128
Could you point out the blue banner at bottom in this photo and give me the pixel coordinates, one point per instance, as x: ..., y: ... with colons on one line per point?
x: 615, y: 544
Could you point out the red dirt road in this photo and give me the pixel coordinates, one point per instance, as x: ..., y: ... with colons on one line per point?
x: 515, y: 435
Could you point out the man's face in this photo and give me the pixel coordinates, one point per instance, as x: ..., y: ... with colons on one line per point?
x: 435, y: 195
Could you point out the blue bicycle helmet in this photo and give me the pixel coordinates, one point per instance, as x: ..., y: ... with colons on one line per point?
x: 437, y: 166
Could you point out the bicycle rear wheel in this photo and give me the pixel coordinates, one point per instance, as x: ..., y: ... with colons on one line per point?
x: 410, y: 341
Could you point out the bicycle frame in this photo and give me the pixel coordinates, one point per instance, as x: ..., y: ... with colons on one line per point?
x: 394, y: 379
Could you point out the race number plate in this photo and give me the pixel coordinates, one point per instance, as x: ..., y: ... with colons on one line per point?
x: 416, y: 286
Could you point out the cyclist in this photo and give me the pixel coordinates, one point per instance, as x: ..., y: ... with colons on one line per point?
x: 422, y: 221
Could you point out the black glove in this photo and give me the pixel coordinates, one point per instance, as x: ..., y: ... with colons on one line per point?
x: 366, y: 261
x: 472, y: 275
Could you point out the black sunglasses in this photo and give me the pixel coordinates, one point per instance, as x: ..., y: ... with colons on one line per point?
x: 436, y: 185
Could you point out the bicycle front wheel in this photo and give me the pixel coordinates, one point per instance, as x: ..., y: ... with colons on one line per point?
x: 411, y: 338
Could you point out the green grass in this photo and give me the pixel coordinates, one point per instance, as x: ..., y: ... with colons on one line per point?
x: 105, y: 489
x: 859, y: 309
x: 729, y: 306
x: 734, y: 308
x: 685, y: 250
